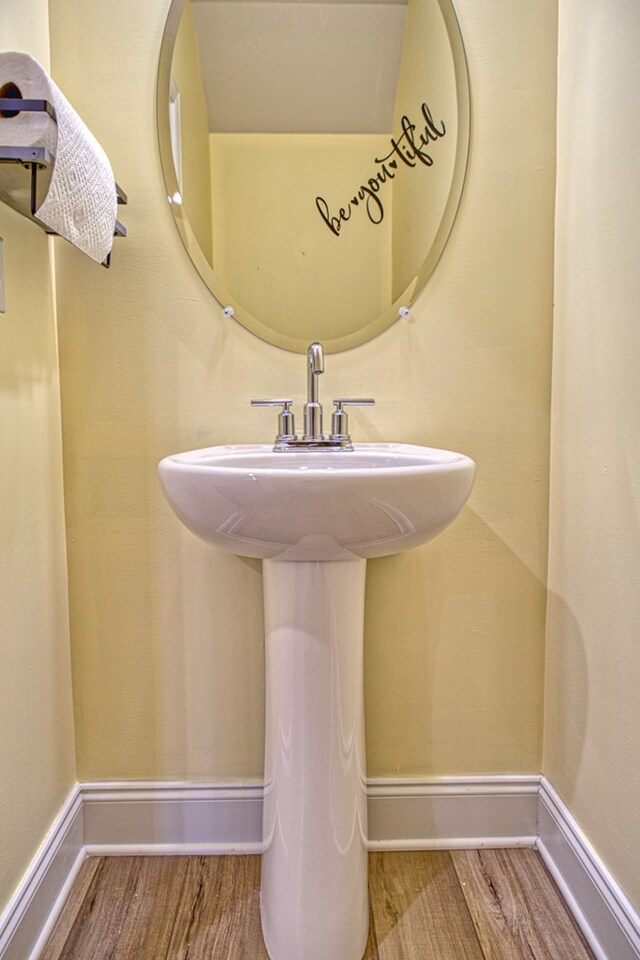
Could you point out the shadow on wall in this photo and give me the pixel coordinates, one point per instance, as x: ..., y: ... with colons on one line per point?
x: 209, y: 660
x: 454, y: 659
x: 566, y: 695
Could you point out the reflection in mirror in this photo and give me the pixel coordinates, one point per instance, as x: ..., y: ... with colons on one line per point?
x: 314, y: 155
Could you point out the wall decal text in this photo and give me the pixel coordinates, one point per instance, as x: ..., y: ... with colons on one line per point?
x: 409, y: 149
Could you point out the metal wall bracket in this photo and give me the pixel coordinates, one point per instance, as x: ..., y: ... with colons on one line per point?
x: 26, y: 194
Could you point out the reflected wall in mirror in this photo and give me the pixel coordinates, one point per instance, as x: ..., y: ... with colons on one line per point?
x: 314, y: 155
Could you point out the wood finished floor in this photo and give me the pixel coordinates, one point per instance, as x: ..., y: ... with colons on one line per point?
x: 435, y: 905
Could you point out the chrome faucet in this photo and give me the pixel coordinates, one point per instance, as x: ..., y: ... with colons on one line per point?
x: 313, y: 437
x: 313, y: 407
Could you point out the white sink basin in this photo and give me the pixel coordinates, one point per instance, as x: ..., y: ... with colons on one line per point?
x: 377, y: 500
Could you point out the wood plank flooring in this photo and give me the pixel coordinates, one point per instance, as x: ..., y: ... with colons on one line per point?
x: 427, y: 905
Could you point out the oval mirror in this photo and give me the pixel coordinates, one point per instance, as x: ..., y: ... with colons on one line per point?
x: 314, y: 153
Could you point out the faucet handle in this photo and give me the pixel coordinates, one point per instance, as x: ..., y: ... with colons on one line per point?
x: 286, y: 422
x: 340, y: 419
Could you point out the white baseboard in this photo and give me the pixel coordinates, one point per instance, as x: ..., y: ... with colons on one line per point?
x: 172, y: 818
x: 608, y: 920
x: 28, y: 919
x: 125, y: 818
x: 448, y: 812
x: 404, y: 814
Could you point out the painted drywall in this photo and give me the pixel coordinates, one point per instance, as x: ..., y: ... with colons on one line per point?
x: 592, y: 718
x: 36, y: 739
x: 167, y: 633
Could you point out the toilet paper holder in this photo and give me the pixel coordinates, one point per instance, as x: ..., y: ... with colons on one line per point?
x: 39, y: 162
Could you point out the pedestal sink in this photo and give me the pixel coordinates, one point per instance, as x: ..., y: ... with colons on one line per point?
x: 314, y: 518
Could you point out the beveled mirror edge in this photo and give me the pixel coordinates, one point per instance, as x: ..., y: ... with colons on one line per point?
x: 463, y: 97
x: 204, y: 268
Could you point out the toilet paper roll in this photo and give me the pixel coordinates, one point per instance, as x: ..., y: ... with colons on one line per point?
x: 81, y: 201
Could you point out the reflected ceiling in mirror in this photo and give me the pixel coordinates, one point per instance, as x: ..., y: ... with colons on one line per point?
x: 314, y: 155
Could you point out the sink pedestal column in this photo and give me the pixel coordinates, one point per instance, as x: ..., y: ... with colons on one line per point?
x: 314, y: 897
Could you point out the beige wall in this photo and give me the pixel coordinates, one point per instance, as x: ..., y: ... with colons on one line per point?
x: 167, y: 633
x: 36, y: 734
x: 593, y: 659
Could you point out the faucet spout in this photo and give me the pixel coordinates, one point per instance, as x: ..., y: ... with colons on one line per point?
x: 315, y: 365
x: 313, y: 407
x: 313, y: 438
